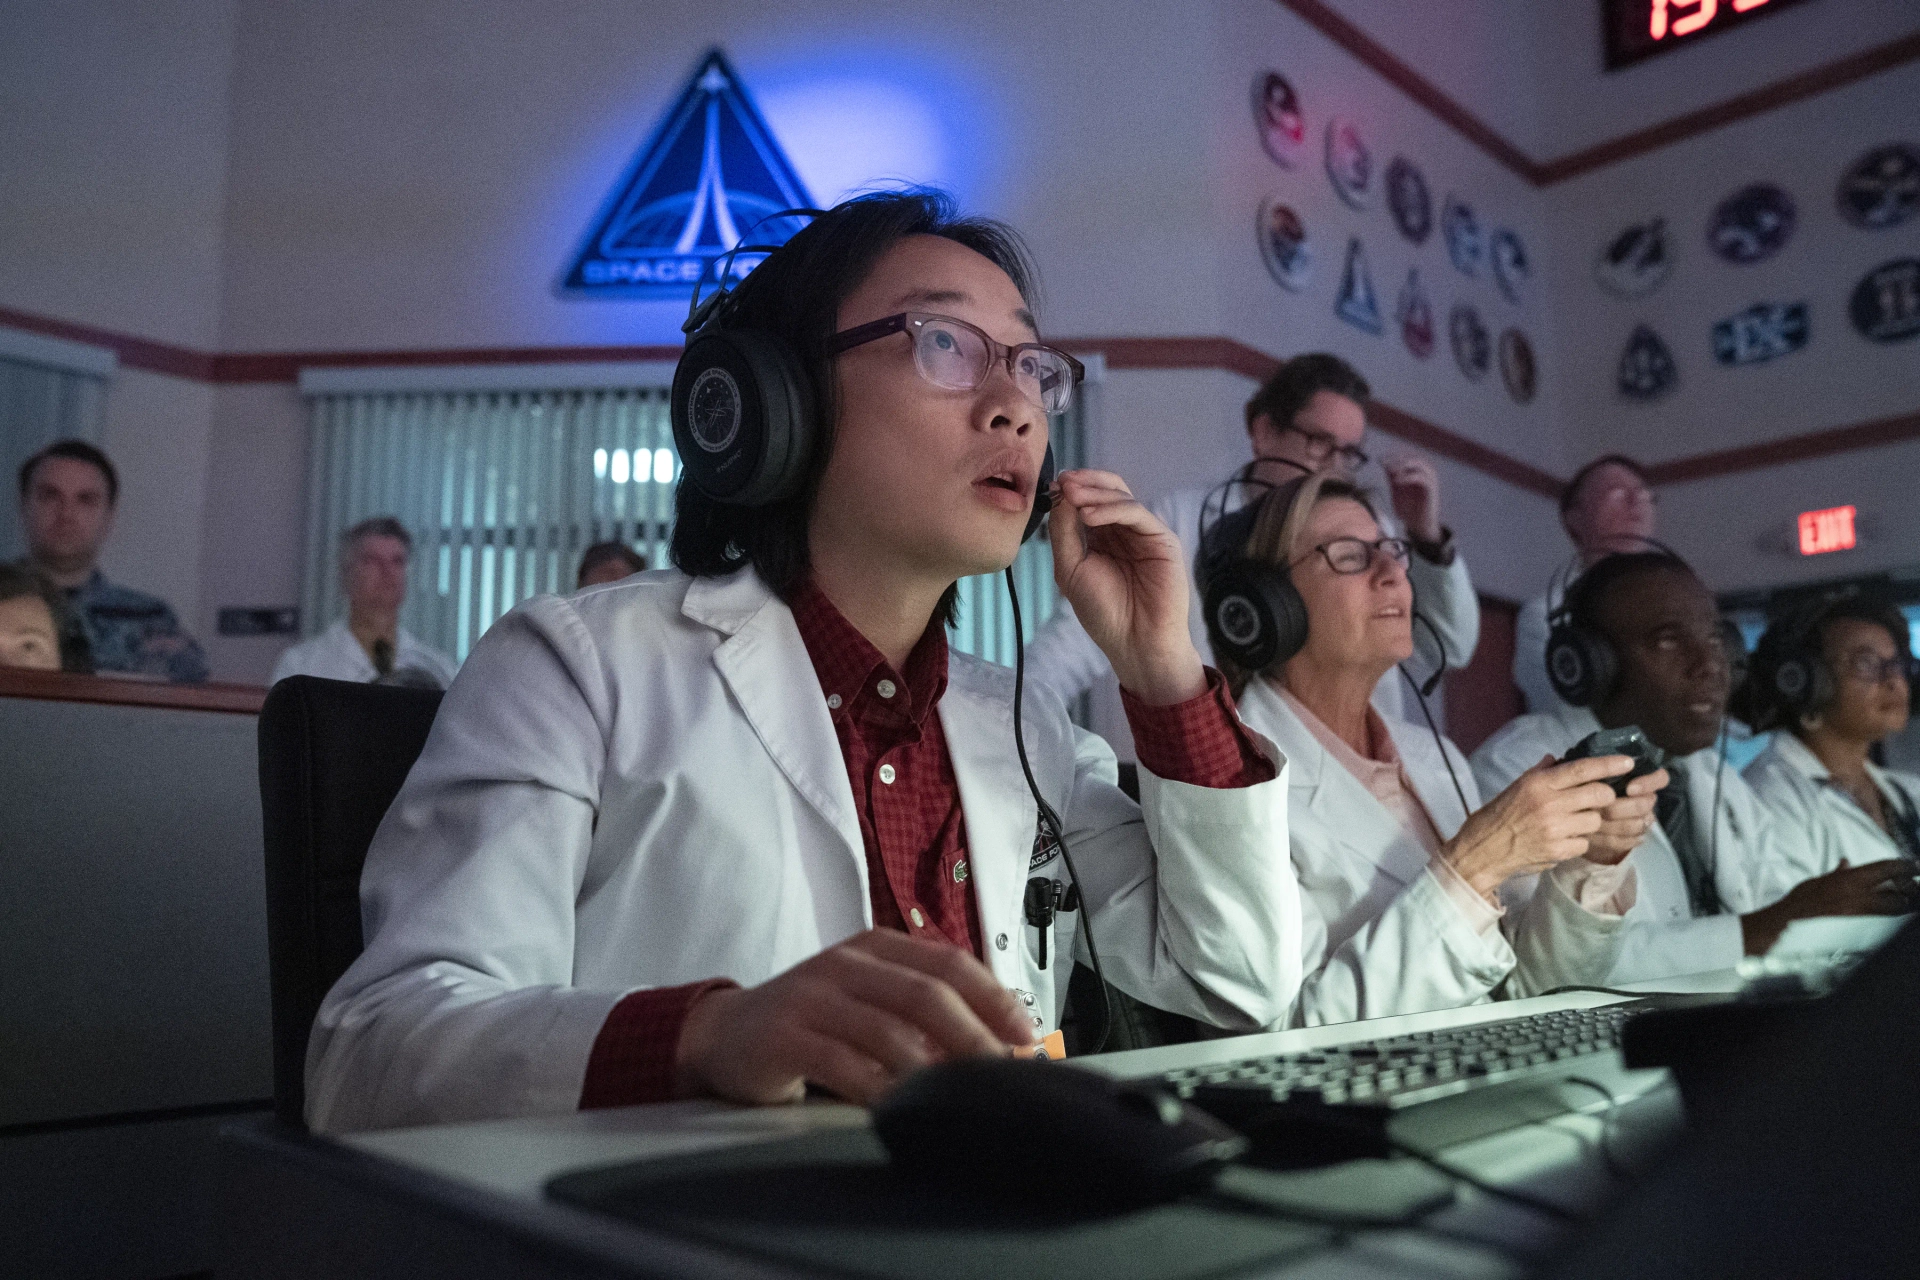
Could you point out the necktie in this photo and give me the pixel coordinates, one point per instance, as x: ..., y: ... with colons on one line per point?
x: 383, y: 657
x: 1675, y: 812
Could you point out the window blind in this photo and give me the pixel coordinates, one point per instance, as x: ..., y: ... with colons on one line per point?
x: 503, y: 489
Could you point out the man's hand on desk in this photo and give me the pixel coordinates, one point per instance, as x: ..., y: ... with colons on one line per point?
x: 854, y: 1019
x: 1870, y: 890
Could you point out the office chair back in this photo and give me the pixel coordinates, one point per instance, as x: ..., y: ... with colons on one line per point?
x: 332, y: 757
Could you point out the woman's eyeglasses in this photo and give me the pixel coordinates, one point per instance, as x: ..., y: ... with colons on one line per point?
x: 957, y: 356
x: 1868, y: 669
x: 1355, y: 555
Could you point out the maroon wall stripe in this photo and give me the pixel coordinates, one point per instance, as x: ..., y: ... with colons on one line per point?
x: 1226, y: 354
x: 1774, y: 453
x: 1780, y: 93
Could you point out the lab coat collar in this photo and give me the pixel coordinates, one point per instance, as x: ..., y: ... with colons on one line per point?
x: 1798, y: 755
x: 765, y: 664
x: 1426, y: 770
x: 1322, y: 786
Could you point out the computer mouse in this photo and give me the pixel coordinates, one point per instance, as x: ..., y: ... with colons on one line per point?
x: 1012, y: 1128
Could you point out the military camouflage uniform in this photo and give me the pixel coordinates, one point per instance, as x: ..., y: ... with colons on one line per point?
x: 128, y: 630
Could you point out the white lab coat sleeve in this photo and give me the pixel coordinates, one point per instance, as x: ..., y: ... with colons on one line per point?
x: 1530, y: 656
x: 1063, y: 657
x: 462, y: 1005
x: 1191, y: 898
x: 1444, y: 596
x: 1418, y: 953
x: 1556, y: 941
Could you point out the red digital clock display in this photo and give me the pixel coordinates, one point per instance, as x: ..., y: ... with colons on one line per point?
x: 1639, y: 29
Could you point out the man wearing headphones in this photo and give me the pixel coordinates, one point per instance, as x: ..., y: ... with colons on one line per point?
x: 1719, y: 876
x: 1309, y: 417
x: 746, y: 826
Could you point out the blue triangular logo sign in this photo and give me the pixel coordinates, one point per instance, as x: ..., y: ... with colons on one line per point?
x: 710, y: 172
x: 1357, y: 304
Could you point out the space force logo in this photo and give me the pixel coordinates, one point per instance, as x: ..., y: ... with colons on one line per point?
x: 710, y: 172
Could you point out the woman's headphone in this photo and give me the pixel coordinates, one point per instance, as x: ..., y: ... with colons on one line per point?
x: 745, y: 419
x: 1255, y: 616
x: 1583, y: 665
x: 1791, y: 676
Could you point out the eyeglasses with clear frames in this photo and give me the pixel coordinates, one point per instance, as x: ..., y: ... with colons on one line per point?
x: 957, y: 356
x: 1868, y: 669
x: 1355, y: 555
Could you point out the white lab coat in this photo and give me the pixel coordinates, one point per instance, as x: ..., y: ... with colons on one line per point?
x: 1796, y: 786
x: 335, y: 654
x: 1383, y: 934
x: 640, y: 786
x: 1064, y: 657
x: 1756, y: 858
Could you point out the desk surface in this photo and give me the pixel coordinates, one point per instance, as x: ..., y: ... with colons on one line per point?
x: 1561, y: 1159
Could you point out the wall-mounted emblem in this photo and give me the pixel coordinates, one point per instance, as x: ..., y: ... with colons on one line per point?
x: 1349, y: 163
x: 1466, y: 245
x: 1277, y: 115
x: 711, y: 171
x: 1517, y: 366
x: 1357, y: 304
x: 1415, y: 314
x: 1511, y: 266
x: 1472, y: 346
x: 1760, y: 333
x: 1647, y: 371
x: 1885, y: 306
x: 1882, y: 188
x: 1752, y: 224
x: 1409, y: 201
x: 1283, y: 245
x: 1637, y: 260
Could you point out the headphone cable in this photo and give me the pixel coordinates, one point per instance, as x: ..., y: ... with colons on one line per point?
x: 1051, y: 820
x: 1420, y: 694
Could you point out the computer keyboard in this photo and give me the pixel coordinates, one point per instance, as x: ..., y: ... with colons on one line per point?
x: 1436, y: 1087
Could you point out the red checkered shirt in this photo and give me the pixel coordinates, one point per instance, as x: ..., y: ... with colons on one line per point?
x: 910, y: 819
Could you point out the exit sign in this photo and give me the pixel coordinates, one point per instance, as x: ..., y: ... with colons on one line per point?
x: 1824, y: 531
x: 1639, y: 29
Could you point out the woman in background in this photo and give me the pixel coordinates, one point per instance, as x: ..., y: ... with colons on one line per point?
x: 1400, y: 864
x: 32, y: 614
x: 1832, y: 680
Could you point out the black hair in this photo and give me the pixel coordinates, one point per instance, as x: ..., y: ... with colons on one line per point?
x: 796, y: 295
x: 1288, y: 389
x: 1590, y: 590
x: 79, y: 451
x: 1571, y: 493
x: 22, y: 580
x: 601, y: 552
x: 1802, y: 633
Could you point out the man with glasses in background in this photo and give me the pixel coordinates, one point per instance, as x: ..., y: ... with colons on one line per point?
x: 1309, y: 418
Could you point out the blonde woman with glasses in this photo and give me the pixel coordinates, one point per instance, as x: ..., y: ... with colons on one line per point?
x: 1400, y: 863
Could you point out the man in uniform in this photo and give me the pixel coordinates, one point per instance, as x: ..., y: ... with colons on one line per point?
x: 68, y: 494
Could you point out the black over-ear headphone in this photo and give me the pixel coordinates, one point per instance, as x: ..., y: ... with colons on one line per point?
x: 745, y: 421
x: 1792, y: 677
x: 1581, y: 663
x: 1255, y: 615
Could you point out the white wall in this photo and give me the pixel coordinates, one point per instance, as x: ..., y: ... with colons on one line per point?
x: 419, y: 175
x: 113, y: 161
x: 1839, y: 378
